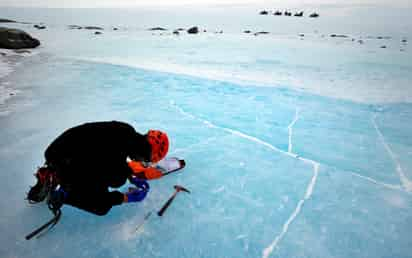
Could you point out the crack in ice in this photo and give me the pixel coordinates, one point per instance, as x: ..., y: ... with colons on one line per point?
x: 290, y: 129
x: 406, y: 183
x: 390, y: 186
x: 309, y: 190
x: 237, y: 133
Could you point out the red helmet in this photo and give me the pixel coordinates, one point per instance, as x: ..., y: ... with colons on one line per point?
x: 160, y: 144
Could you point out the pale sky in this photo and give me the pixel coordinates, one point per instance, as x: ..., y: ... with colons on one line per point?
x: 131, y: 3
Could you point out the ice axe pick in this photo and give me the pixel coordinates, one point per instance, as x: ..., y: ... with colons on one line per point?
x: 178, y: 188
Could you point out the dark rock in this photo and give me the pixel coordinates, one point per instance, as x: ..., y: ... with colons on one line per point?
x: 360, y: 41
x: 286, y: 13
x: 6, y: 21
x: 301, y: 35
x: 75, y: 27
x: 404, y: 40
x: 40, y: 27
x: 180, y: 29
x: 204, y: 30
x: 176, y: 32
x: 314, y: 15
x: 115, y: 28
x: 157, y: 29
x: 278, y: 13
x: 261, y: 32
x: 386, y: 37
x: 338, y: 36
x: 264, y: 12
x: 383, y: 46
x: 97, y: 33
x: 16, y: 39
x: 193, y: 30
x: 299, y: 14
x: 93, y: 28
x: 247, y: 31
x: 3, y: 54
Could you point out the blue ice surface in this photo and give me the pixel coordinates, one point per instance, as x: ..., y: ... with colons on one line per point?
x: 251, y: 195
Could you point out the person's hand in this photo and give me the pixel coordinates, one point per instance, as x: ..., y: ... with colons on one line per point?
x: 135, y: 194
x: 139, y: 183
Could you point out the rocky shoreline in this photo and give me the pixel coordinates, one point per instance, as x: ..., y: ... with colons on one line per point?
x: 11, y: 38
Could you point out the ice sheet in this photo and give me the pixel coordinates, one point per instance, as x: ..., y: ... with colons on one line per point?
x: 267, y: 175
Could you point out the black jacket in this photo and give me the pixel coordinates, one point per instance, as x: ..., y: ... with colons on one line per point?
x: 91, y: 157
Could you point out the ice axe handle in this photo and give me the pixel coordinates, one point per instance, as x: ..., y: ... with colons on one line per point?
x: 166, y: 205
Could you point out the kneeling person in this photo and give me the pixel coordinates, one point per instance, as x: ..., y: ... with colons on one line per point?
x: 85, y: 161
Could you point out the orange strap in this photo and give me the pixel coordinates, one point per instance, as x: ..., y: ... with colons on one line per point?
x: 145, y: 173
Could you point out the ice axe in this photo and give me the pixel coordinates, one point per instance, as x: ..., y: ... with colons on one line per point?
x: 178, y: 188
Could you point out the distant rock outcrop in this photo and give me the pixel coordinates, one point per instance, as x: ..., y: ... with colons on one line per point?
x: 264, y: 12
x: 247, y: 31
x: 286, y: 13
x: 260, y: 32
x: 16, y: 39
x: 193, y: 30
x: 93, y: 28
x: 6, y: 21
x: 75, y: 27
x: 383, y: 37
x: 98, y: 33
x: 277, y: 13
x: 314, y: 15
x: 338, y: 36
x: 39, y: 27
x: 157, y: 29
x: 299, y: 14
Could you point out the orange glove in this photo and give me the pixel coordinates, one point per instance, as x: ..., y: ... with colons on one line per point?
x: 152, y: 173
x: 143, y: 172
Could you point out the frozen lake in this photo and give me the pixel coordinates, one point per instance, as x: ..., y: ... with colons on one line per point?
x: 280, y: 162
